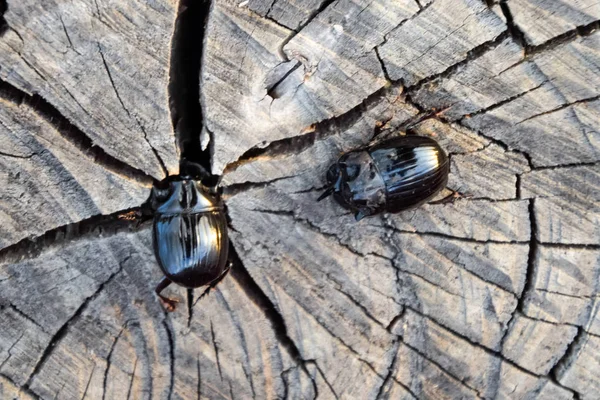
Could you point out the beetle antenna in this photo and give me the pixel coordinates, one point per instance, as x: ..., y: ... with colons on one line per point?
x: 326, y: 193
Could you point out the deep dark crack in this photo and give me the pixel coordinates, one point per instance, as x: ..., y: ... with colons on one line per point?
x: 256, y: 294
x: 312, y: 134
x: 3, y: 24
x: 93, y: 227
x: 513, y: 29
x: 131, y: 381
x: 171, y: 342
x: 74, y: 135
x: 187, y: 114
x: 567, y: 359
x: 569, y: 36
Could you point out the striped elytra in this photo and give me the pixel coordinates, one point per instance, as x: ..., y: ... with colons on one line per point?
x: 392, y: 175
x: 189, y: 233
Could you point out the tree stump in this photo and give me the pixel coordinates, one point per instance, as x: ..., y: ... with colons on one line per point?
x: 493, y: 296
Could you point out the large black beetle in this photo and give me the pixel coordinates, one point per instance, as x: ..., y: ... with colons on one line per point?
x: 392, y: 175
x: 189, y: 234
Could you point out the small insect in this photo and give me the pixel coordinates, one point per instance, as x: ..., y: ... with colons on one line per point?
x: 393, y: 175
x: 189, y: 234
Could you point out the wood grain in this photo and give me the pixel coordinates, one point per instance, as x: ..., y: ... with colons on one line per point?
x: 102, y: 64
x: 494, y: 295
x: 542, y: 20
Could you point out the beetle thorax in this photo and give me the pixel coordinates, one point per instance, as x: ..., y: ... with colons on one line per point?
x: 184, y: 196
x: 357, y: 184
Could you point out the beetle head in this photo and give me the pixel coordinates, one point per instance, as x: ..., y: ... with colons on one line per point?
x: 356, y: 184
x: 183, y: 194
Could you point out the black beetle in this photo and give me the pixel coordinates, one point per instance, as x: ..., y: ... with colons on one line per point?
x: 189, y: 234
x: 392, y: 175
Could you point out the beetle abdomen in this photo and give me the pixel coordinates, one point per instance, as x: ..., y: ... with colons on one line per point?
x: 413, y: 168
x: 191, y: 248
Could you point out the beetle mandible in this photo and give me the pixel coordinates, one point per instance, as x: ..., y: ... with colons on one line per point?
x: 189, y: 234
x: 392, y: 175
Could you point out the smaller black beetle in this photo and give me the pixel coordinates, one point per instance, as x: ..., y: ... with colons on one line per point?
x: 189, y: 234
x: 393, y: 175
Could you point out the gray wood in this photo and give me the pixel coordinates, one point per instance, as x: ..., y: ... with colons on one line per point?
x: 494, y: 295
x: 103, y: 65
x: 542, y: 20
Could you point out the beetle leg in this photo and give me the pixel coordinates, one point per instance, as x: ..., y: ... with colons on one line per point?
x: 214, y: 283
x: 326, y: 193
x: 168, y: 303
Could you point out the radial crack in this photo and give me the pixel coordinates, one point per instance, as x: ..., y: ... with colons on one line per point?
x: 264, y: 303
x: 312, y: 134
x: 105, y: 225
x: 561, y: 107
x: 3, y: 24
x: 63, y: 330
x: 72, y: 134
x: 187, y: 52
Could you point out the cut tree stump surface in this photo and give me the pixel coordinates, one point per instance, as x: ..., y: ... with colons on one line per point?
x: 494, y: 296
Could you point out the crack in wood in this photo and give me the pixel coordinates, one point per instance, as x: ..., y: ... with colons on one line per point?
x: 364, y: 309
x: 256, y: 294
x: 320, y: 371
x: 73, y: 134
x: 437, y: 364
x: 106, y: 225
x: 9, y: 350
x: 382, y: 64
x: 561, y: 107
x: 129, y: 114
x: 491, y: 352
x: 26, y: 316
x: 297, y: 31
x: 472, y: 54
x: 199, y: 370
x: 567, y: 359
x: 184, y: 90
x: 412, y: 17
x: 503, y: 102
x: 171, y: 342
x: 23, y: 389
x: 27, y: 157
x: 87, y: 385
x: 108, y: 362
x: 311, y: 135
x: 390, y: 370
x: 492, y: 139
x: 216, y: 349
x: 513, y: 29
x: 567, y: 37
x: 240, y: 332
x: 3, y: 23
x: 132, y: 378
x: 237, y: 188
x: 530, y: 274
x: 63, y: 330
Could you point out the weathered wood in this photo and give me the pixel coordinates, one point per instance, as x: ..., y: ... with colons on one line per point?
x: 103, y: 65
x: 494, y: 295
x: 542, y: 20
x: 48, y: 182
